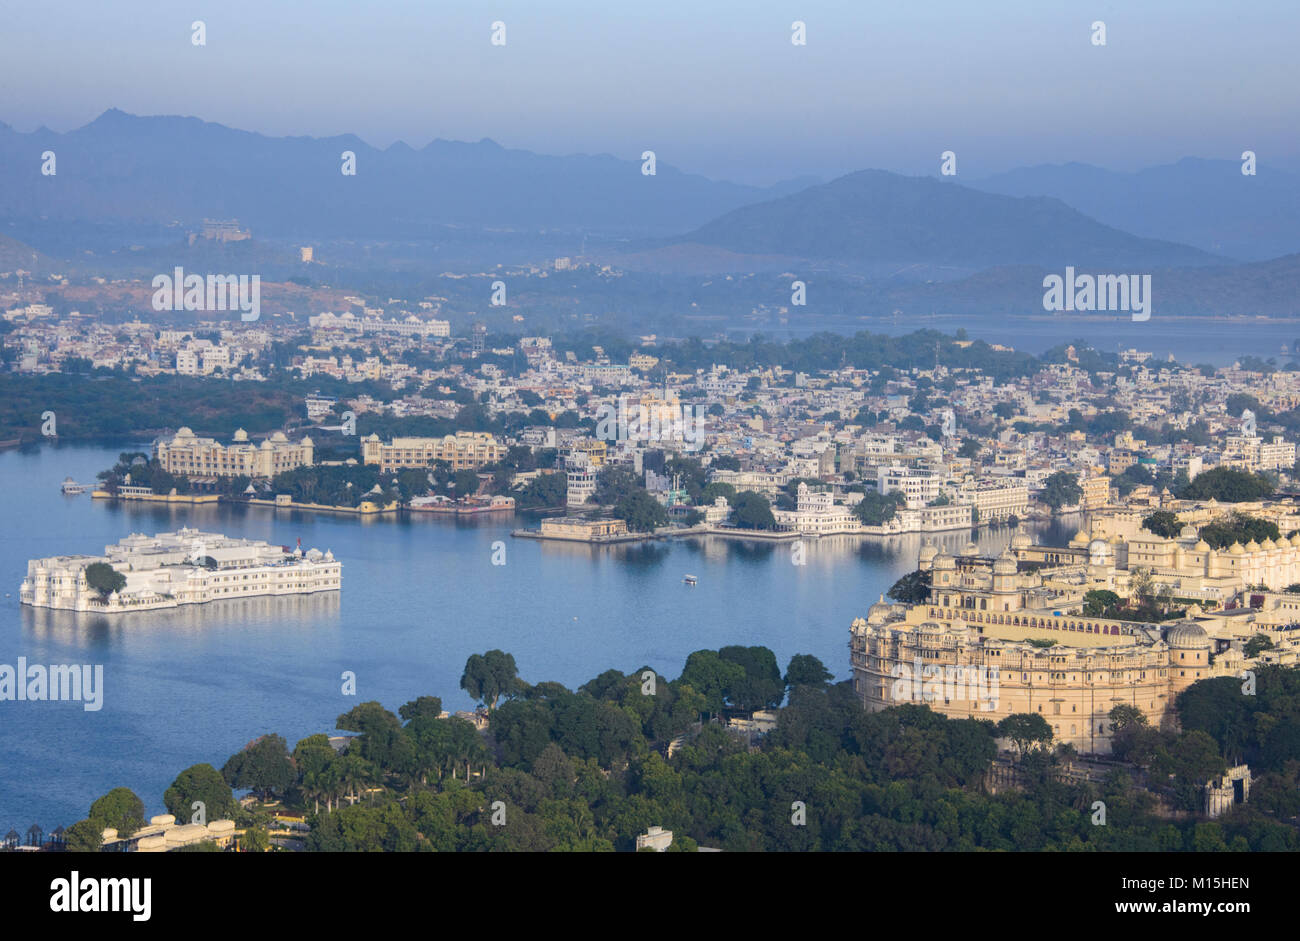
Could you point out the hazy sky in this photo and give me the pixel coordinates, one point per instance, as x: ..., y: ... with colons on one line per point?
x: 714, y: 88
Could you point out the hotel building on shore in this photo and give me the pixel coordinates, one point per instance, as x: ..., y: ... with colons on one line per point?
x: 191, y: 456
x: 465, y: 450
x: 181, y: 568
x: 1019, y: 619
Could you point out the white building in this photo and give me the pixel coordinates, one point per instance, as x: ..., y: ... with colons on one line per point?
x: 173, y: 569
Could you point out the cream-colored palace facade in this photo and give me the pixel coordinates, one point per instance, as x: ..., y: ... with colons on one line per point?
x: 465, y: 450
x: 1019, y: 617
x: 189, y: 455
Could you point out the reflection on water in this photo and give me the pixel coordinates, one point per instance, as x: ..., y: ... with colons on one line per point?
x: 284, y: 613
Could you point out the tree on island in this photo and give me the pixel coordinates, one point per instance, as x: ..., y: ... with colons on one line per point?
x: 104, y: 578
x: 875, y: 509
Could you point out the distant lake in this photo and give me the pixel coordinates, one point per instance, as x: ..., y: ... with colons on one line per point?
x: 419, y: 596
x: 1189, y: 339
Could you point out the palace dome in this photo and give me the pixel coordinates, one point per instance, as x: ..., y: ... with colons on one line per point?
x: 1295, y: 538
x: 1022, y: 541
x: 1005, y: 564
x: 1187, y: 532
x: 1187, y: 635
x: 879, y: 611
x: 1201, y: 546
x: 1235, y: 549
x: 944, y: 561
x: 929, y: 551
x: 971, y: 549
x: 1252, y: 546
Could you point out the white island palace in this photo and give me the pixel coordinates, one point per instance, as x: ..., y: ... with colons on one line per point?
x: 173, y: 569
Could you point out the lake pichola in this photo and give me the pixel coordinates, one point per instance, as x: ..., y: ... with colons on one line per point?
x: 420, y: 594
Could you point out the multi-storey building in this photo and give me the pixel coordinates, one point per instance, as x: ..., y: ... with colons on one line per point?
x: 992, y: 641
x: 173, y: 569
x: 189, y: 455
x: 465, y: 450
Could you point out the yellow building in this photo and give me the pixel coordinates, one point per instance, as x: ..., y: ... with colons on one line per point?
x: 997, y: 637
x: 189, y: 455
x: 465, y: 450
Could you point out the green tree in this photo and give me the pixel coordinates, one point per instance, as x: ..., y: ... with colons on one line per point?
x: 642, y: 512
x: 752, y: 511
x: 1099, y: 602
x: 263, y: 766
x: 84, y: 836
x: 490, y: 676
x: 202, y: 783
x: 421, y: 706
x: 1025, y: 730
x: 1227, y: 485
x: 119, y: 810
x: 806, y: 670
x: 1061, y: 489
x: 912, y: 588
x: 1163, y: 523
x: 104, y: 578
x: 1257, y: 644
x: 255, y: 840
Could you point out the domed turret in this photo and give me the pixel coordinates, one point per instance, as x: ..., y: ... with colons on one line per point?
x: 1021, y: 541
x: 879, y: 612
x: 928, y: 552
x: 944, y: 561
x: 1187, y: 635
x: 1079, y: 540
x: 1201, y: 546
x: 971, y: 549
x: 1187, y: 532
x: 1005, y: 564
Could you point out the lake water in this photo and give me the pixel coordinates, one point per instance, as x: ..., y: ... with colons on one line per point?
x: 1190, y: 339
x: 419, y: 596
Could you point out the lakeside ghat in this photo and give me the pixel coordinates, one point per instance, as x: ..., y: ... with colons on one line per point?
x: 141, y: 573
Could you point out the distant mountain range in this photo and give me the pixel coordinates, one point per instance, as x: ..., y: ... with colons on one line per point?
x: 883, y: 223
x: 1206, y: 203
x: 128, y: 188
x: 159, y: 170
